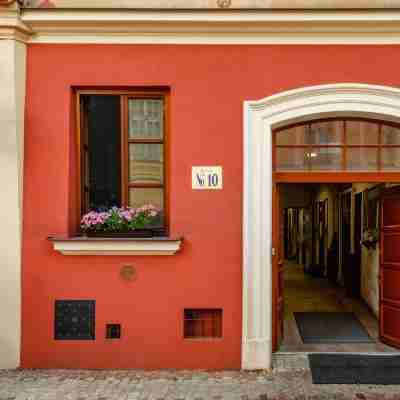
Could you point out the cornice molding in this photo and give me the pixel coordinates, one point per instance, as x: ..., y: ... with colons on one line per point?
x: 11, y: 26
x: 213, y: 27
x: 215, y: 4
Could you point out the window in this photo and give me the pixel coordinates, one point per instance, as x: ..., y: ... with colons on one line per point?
x: 122, y: 144
x: 338, y: 144
x: 202, y: 323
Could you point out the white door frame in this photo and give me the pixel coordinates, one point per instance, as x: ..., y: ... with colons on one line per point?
x: 260, y: 117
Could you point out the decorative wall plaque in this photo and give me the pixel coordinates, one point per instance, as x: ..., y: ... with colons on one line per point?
x: 224, y: 3
x: 207, y: 178
x: 74, y: 320
x: 128, y: 273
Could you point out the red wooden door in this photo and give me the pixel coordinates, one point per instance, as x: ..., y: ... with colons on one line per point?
x: 389, y: 274
x: 277, y: 269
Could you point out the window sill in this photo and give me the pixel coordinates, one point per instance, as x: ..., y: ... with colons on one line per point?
x: 98, y: 246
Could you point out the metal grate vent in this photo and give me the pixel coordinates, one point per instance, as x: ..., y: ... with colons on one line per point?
x: 113, y: 331
x: 202, y: 323
x: 74, y: 320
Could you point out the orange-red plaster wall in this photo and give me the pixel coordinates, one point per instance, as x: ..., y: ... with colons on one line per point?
x: 208, y: 85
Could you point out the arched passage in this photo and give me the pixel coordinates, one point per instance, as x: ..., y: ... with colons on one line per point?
x: 260, y: 118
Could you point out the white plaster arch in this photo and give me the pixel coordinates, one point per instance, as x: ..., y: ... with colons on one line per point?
x: 260, y: 117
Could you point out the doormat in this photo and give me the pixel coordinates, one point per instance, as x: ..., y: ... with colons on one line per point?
x: 331, y: 327
x: 355, y: 369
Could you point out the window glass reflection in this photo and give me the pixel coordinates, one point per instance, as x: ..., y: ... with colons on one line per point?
x: 362, y: 132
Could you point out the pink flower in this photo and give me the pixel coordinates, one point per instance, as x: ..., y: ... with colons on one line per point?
x: 127, y: 215
x: 149, y: 209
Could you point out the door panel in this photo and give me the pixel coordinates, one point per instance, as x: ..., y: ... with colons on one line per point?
x: 322, y: 233
x: 391, y: 247
x: 277, y: 270
x: 390, y: 285
x: 389, y: 274
x: 390, y: 324
x: 391, y: 216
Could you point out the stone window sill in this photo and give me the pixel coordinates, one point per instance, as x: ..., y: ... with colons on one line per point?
x: 89, y: 246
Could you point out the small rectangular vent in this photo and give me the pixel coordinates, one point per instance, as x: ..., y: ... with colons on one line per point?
x: 74, y: 320
x: 113, y: 331
x: 202, y: 323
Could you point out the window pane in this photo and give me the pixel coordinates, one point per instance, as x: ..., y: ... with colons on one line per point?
x: 291, y: 136
x: 146, y: 118
x: 104, y: 154
x: 390, y: 158
x: 362, y: 159
x: 146, y: 163
x: 362, y: 132
x: 325, y: 158
x: 141, y: 196
x: 390, y: 135
x: 291, y: 159
x: 328, y: 132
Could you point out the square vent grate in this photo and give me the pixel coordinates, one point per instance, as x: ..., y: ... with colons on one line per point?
x: 113, y: 331
x: 74, y: 320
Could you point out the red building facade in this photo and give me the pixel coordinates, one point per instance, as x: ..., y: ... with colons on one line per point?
x: 207, y: 85
x: 207, y: 92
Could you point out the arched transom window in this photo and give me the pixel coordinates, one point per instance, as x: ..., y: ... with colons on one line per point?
x: 338, y: 144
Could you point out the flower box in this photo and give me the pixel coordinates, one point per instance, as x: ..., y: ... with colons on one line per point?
x: 138, y: 233
x: 123, y: 222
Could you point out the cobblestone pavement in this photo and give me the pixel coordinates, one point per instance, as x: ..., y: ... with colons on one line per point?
x: 281, y: 384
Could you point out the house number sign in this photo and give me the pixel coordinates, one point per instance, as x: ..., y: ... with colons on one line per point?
x: 206, y: 178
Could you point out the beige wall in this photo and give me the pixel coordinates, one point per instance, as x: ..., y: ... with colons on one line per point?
x: 12, y: 95
x: 369, y: 262
x: 329, y: 192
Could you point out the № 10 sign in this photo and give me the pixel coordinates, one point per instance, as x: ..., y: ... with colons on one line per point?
x: 207, y: 178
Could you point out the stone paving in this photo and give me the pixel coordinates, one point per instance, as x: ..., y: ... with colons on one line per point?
x: 290, y: 379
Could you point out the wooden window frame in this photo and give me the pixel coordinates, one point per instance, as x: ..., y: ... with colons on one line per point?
x: 124, y: 95
x: 343, y: 146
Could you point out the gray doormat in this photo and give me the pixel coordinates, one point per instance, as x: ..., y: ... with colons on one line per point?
x: 331, y: 327
x: 355, y: 369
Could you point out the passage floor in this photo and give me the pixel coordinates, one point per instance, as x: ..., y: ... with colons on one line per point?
x: 304, y: 293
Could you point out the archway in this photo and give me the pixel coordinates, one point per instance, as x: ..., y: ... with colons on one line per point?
x: 260, y: 118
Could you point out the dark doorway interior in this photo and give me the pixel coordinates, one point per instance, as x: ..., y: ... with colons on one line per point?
x: 358, y: 205
x: 345, y: 241
x: 322, y: 235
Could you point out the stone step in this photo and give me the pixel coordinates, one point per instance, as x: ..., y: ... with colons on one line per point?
x: 290, y: 361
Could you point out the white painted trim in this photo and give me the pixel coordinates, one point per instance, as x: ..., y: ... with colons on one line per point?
x: 12, y: 106
x: 213, y: 27
x: 42, y: 15
x: 118, y: 247
x: 260, y: 117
